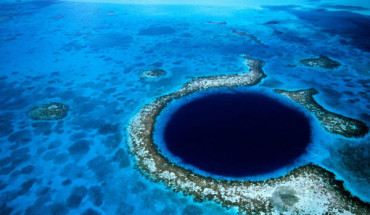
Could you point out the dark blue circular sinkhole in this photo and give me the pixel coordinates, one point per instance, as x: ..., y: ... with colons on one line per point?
x: 237, y: 135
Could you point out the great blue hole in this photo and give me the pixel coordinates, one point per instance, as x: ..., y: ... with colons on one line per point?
x: 238, y: 134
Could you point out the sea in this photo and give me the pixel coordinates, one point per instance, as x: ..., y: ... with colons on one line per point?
x: 92, y: 55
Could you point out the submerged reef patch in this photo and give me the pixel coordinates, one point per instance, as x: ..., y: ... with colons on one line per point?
x: 51, y: 111
x: 310, y: 189
x: 152, y: 73
x: 322, y: 61
x: 250, y: 36
x: 217, y: 23
x: 332, y: 122
x: 353, y: 28
x: 157, y: 30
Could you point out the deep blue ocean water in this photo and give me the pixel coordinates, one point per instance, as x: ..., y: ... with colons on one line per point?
x: 237, y: 134
x: 89, y: 55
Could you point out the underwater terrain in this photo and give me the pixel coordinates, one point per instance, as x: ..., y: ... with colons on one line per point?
x: 75, y: 74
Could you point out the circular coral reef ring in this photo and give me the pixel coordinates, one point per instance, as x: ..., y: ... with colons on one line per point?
x: 310, y: 189
x: 51, y: 111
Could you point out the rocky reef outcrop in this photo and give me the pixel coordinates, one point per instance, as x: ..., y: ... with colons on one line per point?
x: 152, y: 73
x: 51, y: 111
x: 322, y: 61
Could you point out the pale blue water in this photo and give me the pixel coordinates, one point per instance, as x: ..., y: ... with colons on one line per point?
x: 89, y: 56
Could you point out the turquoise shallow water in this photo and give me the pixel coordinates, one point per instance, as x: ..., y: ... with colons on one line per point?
x: 89, y: 56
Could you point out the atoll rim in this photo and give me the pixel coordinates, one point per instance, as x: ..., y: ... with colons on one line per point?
x: 305, y: 186
x: 332, y: 122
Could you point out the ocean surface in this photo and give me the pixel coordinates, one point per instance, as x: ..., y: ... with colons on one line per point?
x: 90, y: 55
x: 235, y: 134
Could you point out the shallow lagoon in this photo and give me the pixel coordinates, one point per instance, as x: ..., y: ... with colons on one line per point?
x: 89, y: 56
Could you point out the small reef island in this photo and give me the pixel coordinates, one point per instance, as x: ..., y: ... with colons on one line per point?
x: 309, y: 189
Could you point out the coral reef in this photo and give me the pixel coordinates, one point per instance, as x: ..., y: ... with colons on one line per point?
x: 309, y: 189
x: 322, y: 61
x: 51, y: 111
x: 152, y: 73
x: 332, y: 122
x: 250, y: 36
x: 217, y: 23
x: 284, y: 198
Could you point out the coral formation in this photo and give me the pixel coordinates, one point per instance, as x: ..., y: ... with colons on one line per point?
x: 309, y: 189
x: 51, y: 111
x: 284, y: 198
x: 250, y: 36
x: 322, y: 61
x: 332, y: 122
x: 217, y: 23
x: 152, y: 73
